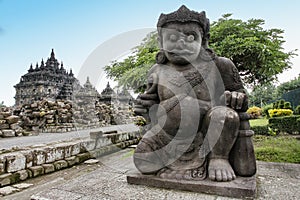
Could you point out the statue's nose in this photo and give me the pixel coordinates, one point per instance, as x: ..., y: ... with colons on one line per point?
x: 181, y: 43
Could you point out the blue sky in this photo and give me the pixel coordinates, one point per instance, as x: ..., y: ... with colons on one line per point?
x: 29, y: 29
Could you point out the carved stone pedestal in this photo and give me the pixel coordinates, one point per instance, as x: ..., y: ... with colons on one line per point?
x: 241, y: 187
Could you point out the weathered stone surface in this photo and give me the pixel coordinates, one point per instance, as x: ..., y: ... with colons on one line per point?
x: 242, y: 187
x: 12, y: 119
x: 23, y: 174
x: 8, y: 190
x: 2, y: 164
x: 39, y: 156
x: 29, y: 173
x: 50, y: 154
x: 75, y: 149
x: 1, y: 134
x: 48, y: 168
x: 60, y: 151
x: 15, y: 162
x: 9, y: 178
x: 8, y: 133
x: 73, y: 160
x: 87, y: 145
x: 15, y: 126
x: 29, y: 157
x: 36, y: 170
x: 60, y: 164
x: 83, y: 156
x: 22, y: 186
x: 91, y: 161
x: 5, y: 179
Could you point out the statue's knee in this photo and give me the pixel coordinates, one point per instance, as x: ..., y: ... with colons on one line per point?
x: 231, y: 116
x: 222, y: 112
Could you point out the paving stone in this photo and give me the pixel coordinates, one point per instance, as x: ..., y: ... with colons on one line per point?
x: 9, y: 178
x: 60, y: 151
x: 36, y: 170
x: 8, y: 190
x: 2, y: 164
x: 87, y: 145
x: 5, y: 179
x: 39, y: 156
x: 75, y: 149
x: 23, y: 174
x: 8, y: 133
x: 73, y: 160
x: 22, y: 186
x: 50, y: 155
x: 15, y: 162
x: 48, y: 168
x: 60, y: 164
x: 29, y: 157
x: 91, y: 161
x: 83, y: 156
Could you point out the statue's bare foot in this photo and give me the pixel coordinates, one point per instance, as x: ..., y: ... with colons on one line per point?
x: 220, y: 170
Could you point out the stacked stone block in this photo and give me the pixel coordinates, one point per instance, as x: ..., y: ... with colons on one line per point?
x: 9, y: 124
x: 31, y: 162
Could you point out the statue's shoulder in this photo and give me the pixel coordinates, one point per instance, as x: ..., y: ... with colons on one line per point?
x: 229, y: 73
x: 224, y: 64
x: 156, y: 68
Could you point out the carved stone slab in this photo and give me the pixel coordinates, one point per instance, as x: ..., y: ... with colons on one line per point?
x: 241, y: 187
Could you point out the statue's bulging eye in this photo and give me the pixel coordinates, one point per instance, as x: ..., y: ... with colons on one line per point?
x: 190, y: 38
x: 173, y: 37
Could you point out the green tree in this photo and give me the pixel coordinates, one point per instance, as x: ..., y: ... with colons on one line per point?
x: 288, y: 86
x: 256, y: 52
x: 131, y: 72
x: 262, y: 94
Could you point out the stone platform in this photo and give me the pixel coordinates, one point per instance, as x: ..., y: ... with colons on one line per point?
x: 241, y: 187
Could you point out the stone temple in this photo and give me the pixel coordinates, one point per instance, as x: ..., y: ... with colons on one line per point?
x: 48, y: 81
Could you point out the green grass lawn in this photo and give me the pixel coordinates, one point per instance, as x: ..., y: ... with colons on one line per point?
x: 277, y: 148
x: 258, y: 122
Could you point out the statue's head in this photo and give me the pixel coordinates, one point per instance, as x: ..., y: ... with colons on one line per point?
x: 181, y: 35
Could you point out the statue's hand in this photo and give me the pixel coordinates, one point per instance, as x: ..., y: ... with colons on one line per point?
x: 236, y: 100
x: 144, y: 102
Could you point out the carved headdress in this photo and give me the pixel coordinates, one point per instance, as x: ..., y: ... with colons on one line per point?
x: 183, y: 14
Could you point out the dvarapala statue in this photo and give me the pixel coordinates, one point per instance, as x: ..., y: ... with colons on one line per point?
x: 196, y: 101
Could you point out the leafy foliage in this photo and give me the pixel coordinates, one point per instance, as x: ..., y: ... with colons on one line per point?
x: 262, y: 94
x: 257, y: 53
x: 287, y: 124
x: 280, y: 112
x: 288, y: 86
x: 132, y: 71
x: 255, y: 112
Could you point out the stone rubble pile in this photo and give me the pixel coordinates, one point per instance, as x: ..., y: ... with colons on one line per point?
x: 47, y: 116
x: 65, y: 115
x: 10, y: 124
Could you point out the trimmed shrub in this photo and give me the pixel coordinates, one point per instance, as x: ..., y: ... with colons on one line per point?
x: 280, y: 112
x: 287, y: 105
x: 297, y: 110
x: 254, y: 112
x: 288, y: 124
x: 265, y: 110
x: 260, y: 130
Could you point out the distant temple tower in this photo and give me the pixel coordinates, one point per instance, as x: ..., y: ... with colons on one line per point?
x: 48, y: 81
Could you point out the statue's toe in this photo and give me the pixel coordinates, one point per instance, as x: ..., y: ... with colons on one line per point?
x: 212, y: 175
x: 219, y: 175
